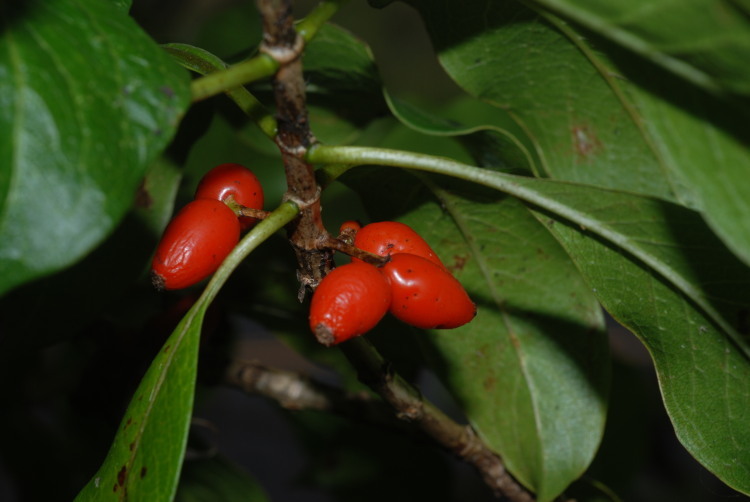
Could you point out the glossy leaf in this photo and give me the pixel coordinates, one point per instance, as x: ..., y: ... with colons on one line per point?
x: 705, y: 41
x: 704, y: 377
x: 531, y: 369
x: 88, y: 102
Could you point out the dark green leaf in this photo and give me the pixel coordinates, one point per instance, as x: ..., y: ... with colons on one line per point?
x: 145, y: 458
x: 531, y: 370
x: 704, y: 377
x: 551, y: 85
x: 88, y: 102
x: 600, y: 115
x: 704, y: 41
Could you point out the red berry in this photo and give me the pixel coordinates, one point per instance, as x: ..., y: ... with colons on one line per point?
x: 194, y: 244
x: 350, y: 227
x: 391, y: 237
x: 233, y: 180
x: 348, y: 302
x: 425, y: 295
x: 348, y: 230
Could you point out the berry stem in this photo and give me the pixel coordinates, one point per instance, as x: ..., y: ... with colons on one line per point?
x: 355, y: 252
x: 253, y: 213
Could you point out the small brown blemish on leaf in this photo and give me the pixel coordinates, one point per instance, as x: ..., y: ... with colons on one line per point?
x: 143, y: 198
x: 122, y: 476
x: 143, y: 472
x: 132, y: 446
x: 127, y: 423
x: 489, y: 383
x: 459, y: 262
x: 585, y: 142
x: 166, y: 349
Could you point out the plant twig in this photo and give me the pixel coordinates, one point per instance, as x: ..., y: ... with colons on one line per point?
x: 306, y: 234
x: 299, y: 392
x: 410, y: 405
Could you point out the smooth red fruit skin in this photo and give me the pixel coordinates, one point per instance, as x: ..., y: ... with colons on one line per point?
x: 348, y: 302
x: 194, y: 244
x: 235, y: 180
x: 425, y: 295
x: 391, y: 237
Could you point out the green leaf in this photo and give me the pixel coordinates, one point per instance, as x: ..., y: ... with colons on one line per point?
x: 704, y: 377
x: 705, y: 41
x: 553, y: 86
x: 702, y: 142
x: 145, y: 458
x: 530, y: 371
x: 601, y: 115
x: 659, y: 269
x: 88, y: 101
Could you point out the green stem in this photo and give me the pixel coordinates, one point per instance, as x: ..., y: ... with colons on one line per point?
x: 203, y: 62
x: 309, y: 26
x: 250, y: 70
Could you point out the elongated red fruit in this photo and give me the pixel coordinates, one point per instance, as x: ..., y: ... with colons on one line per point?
x: 425, y: 295
x: 234, y: 180
x: 348, y: 302
x: 194, y: 244
x: 391, y: 237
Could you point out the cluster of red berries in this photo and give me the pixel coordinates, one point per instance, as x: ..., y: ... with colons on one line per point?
x: 413, y: 285
x: 206, y: 230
